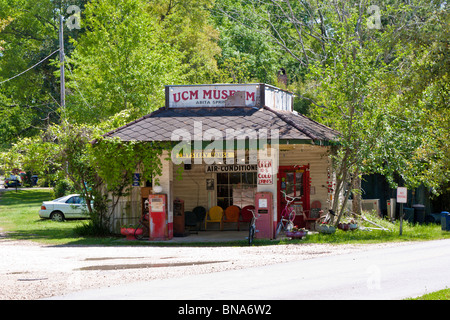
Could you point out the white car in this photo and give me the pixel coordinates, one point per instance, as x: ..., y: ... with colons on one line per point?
x: 69, y: 207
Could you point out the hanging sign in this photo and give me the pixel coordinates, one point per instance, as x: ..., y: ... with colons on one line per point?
x: 136, y: 180
x: 231, y: 168
x: 205, y: 155
x: 219, y: 95
x: 402, y: 195
x: 265, y: 172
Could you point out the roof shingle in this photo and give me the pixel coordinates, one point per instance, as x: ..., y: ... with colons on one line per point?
x: 159, y: 125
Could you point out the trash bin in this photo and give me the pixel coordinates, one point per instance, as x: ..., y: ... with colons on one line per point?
x: 445, y: 221
x: 408, y: 214
x: 419, y: 213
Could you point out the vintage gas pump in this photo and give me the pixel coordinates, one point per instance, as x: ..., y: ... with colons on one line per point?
x: 264, y: 212
x: 157, y: 206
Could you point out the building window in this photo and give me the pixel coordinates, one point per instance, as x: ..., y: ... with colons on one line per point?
x: 236, y: 188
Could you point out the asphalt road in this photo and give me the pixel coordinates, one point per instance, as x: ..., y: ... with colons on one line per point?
x: 388, y: 274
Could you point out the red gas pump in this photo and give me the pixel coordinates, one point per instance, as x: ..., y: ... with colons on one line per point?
x: 264, y: 212
x: 157, y: 207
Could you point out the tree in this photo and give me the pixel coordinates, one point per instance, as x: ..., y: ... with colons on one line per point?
x: 355, y: 62
x: 385, y: 129
x: 116, y: 71
x: 84, y: 156
x: 246, y: 55
x: 120, y: 63
x: 186, y: 25
x: 30, y: 36
x: 425, y: 85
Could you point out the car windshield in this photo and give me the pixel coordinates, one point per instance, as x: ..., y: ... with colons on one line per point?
x: 62, y: 199
x: 71, y: 199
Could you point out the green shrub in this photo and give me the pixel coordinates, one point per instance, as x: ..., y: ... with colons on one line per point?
x: 62, y: 188
x: 91, y: 229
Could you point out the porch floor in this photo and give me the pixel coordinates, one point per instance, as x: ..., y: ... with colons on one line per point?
x: 211, y: 236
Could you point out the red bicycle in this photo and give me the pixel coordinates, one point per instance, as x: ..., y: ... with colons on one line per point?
x: 286, y: 222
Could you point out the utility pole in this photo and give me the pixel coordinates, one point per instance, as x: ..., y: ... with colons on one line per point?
x: 61, y: 60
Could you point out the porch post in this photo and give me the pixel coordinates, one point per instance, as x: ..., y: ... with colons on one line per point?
x: 271, y: 153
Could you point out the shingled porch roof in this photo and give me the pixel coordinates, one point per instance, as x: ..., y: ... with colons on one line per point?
x: 159, y: 125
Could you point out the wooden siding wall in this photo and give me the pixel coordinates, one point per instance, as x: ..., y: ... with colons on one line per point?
x: 190, y: 186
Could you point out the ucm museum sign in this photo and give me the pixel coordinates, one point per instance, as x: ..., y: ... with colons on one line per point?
x: 212, y: 95
x: 228, y: 95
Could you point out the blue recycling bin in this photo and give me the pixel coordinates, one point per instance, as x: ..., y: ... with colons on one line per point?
x: 445, y: 221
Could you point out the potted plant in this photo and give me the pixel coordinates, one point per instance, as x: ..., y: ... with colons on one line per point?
x: 297, y: 233
x: 130, y: 231
x: 344, y: 226
x: 353, y: 225
x: 325, y: 228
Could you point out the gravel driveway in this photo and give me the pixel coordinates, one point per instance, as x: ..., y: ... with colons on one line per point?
x: 29, y: 270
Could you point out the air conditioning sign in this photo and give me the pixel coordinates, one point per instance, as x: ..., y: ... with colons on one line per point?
x: 212, y: 95
x: 231, y: 168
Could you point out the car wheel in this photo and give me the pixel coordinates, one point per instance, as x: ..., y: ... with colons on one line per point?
x: 57, y: 216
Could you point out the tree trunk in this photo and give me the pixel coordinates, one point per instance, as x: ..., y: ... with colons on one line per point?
x: 356, y: 204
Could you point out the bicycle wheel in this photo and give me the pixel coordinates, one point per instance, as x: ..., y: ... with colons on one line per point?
x: 278, y: 230
x: 139, y: 235
x: 251, y: 234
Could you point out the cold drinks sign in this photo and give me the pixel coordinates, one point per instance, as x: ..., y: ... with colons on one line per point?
x: 265, y: 172
x: 212, y: 95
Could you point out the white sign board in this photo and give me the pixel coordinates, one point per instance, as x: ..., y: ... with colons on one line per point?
x: 402, y: 195
x: 262, y: 203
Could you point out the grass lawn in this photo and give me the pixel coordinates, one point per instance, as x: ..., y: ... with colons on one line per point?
x: 19, y: 215
x: 438, y: 295
x: 409, y: 233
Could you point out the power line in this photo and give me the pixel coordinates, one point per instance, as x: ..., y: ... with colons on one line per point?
x: 17, y: 75
x: 78, y: 88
